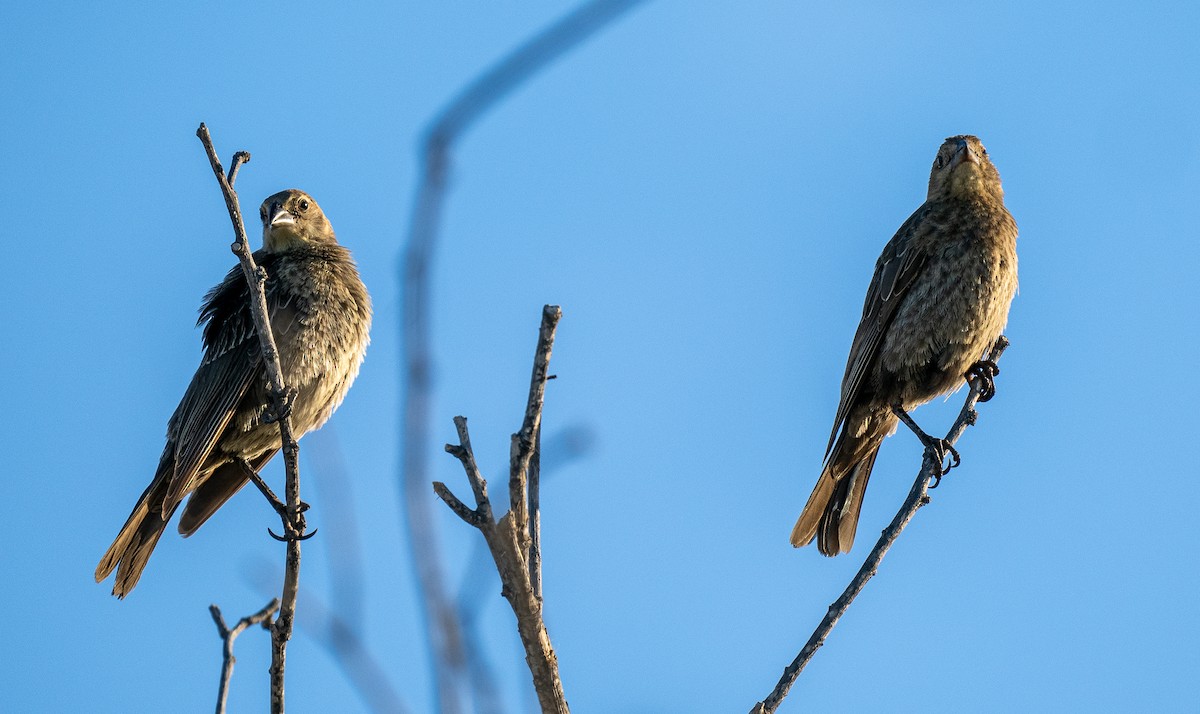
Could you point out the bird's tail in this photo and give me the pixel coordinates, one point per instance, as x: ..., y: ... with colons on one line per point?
x: 131, y: 550
x: 212, y: 493
x: 831, y: 514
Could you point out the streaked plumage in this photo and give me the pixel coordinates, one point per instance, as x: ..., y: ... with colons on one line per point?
x: 320, y: 316
x: 938, y: 300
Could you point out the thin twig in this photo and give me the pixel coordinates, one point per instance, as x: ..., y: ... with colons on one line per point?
x: 524, y: 441
x: 293, y: 519
x: 535, y: 515
x: 918, y: 496
x: 228, y: 635
x: 239, y: 158
x: 507, y: 538
x: 475, y: 100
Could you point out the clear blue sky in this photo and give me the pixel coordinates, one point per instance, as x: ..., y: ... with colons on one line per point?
x: 704, y: 189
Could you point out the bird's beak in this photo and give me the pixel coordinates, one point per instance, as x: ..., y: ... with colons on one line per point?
x: 964, y: 154
x: 278, y: 215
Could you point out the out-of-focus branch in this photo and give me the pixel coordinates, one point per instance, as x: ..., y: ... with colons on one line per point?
x: 342, y: 640
x: 335, y: 488
x: 293, y: 516
x: 918, y: 495
x: 228, y: 635
x: 337, y: 624
x: 482, y: 94
x: 508, y: 539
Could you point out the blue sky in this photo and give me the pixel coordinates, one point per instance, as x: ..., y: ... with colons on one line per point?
x: 704, y: 189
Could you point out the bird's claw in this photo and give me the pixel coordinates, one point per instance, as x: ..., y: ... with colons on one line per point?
x: 935, y: 448
x: 297, y: 536
x: 939, y: 449
x: 294, y: 523
x: 985, y: 370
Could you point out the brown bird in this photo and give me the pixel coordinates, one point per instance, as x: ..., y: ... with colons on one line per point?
x: 320, y: 316
x: 938, y: 300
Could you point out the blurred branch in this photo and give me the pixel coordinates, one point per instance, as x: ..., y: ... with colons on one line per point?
x: 338, y: 626
x: 293, y: 514
x: 228, y: 636
x: 336, y: 491
x: 508, y: 540
x: 918, y: 495
x: 350, y: 653
x: 481, y: 95
x: 341, y: 639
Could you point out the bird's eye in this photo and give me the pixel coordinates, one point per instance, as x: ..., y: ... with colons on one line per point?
x: 940, y: 162
x: 303, y: 204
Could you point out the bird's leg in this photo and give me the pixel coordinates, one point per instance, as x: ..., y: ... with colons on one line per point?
x: 294, y: 519
x: 939, y: 447
x: 985, y: 370
x: 257, y: 480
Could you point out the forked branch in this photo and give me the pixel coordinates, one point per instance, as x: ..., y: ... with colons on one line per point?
x: 228, y: 636
x: 508, y: 539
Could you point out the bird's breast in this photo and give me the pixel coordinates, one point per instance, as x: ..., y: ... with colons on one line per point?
x: 955, y: 309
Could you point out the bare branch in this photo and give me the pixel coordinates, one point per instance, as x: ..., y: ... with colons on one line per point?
x: 523, y: 442
x: 479, y: 579
x: 460, y: 509
x: 918, y: 496
x: 535, y: 515
x: 239, y: 158
x: 508, y: 539
x: 482, y: 94
x: 228, y: 636
x: 293, y: 518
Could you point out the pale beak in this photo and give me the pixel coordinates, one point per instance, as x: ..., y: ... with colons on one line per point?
x: 278, y: 215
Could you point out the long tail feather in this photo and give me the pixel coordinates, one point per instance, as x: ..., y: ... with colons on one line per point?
x: 831, y: 514
x: 131, y: 550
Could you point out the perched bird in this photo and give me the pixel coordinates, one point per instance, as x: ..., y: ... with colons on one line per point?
x: 320, y: 315
x: 938, y: 300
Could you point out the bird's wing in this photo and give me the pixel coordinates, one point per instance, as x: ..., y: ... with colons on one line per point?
x: 232, y: 363
x: 902, y: 260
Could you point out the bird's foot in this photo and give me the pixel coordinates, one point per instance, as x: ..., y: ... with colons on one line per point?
x: 985, y: 370
x: 297, y: 536
x: 935, y: 448
x: 284, y: 409
x: 295, y: 526
x: 938, y: 449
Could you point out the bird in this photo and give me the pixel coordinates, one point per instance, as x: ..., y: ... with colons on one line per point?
x: 937, y: 302
x: 320, y: 315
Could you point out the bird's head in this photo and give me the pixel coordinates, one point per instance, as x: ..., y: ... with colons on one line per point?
x: 292, y: 219
x: 962, y: 168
